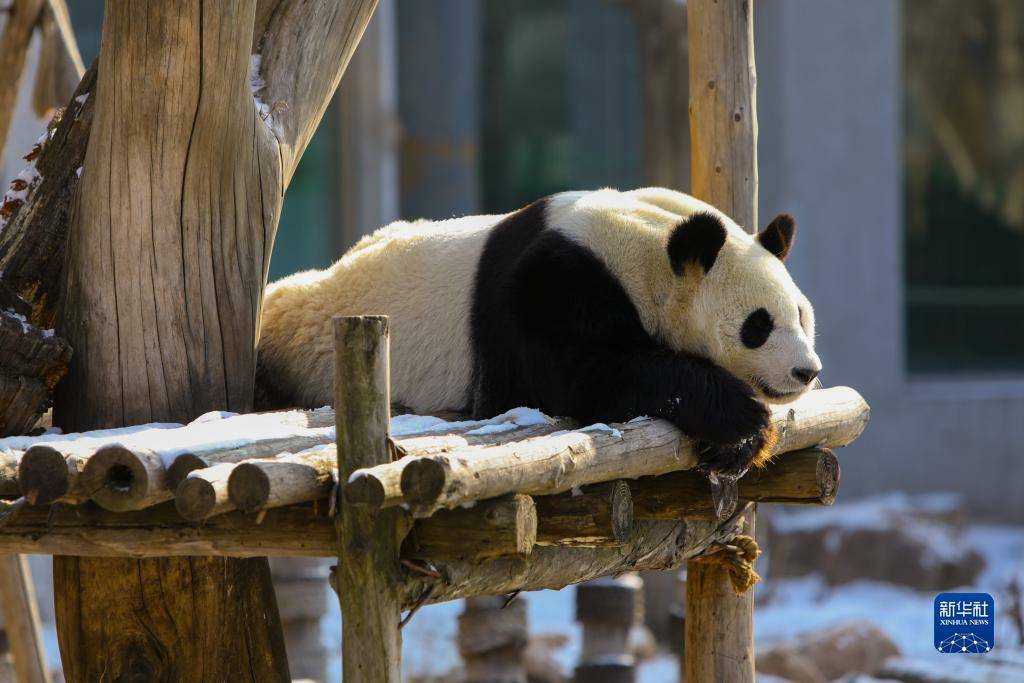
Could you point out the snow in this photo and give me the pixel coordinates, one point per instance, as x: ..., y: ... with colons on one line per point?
x: 404, y: 425
x: 601, y: 427
x: 25, y: 326
x: 639, y: 418
x: 257, y: 84
x: 874, y: 513
x: 212, y: 431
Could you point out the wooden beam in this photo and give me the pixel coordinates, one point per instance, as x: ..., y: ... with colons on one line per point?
x: 305, y: 530
x: 491, y: 528
x: 723, y: 129
x: 829, y: 417
x: 204, y: 493
x: 653, y: 545
x: 369, y: 542
x: 808, y: 477
x: 21, y: 620
x: 285, y: 480
x: 599, y: 515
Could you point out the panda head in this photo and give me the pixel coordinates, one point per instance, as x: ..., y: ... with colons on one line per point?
x: 733, y: 301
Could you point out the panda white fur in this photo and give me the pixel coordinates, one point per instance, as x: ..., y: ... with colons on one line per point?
x: 600, y: 306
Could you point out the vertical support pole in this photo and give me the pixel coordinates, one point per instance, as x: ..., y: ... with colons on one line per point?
x: 719, y: 640
x: 301, y: 587
x: 21, y: 620
x: 368, y: 540
x: 608, y: 609
x: 492, y: 640
x: 368, y: 131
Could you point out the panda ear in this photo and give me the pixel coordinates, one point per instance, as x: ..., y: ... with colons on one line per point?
x: 778, y: 236
x: 698, y: 239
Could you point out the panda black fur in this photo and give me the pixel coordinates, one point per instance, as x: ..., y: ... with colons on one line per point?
x: 601, y: 306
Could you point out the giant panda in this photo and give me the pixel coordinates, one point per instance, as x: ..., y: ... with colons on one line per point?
x: 599, y: 305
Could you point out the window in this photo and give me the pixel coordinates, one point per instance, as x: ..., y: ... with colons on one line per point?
x: 964, y: 185
x: 561, y: 106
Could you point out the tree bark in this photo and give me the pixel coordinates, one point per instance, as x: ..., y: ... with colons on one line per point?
x: 167, y: 259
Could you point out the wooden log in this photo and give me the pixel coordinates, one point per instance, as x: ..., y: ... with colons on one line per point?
x: 719, y: 627
x: 381, y: 486
x: 287, y: 479
x: 607, y: 609
x: 490, y: 528
x: 308, y: 423
x: 492, y: 640
x: 33, y: 241
x: 598, y: 515
x: 369, y: 542
x: 723, y: 134
x: 46, y: 475
x: 32, y: 363
x: 301, y: 530
x: 828, y: 417
x: 808, y: 477
x: 204, y: 493
x: 159, y: 531
x: 682, y: 495
x: 21, y: 620
x: 653, y: 545
x: 119, y: 479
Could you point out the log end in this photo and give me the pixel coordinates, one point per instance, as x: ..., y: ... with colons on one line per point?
x: 182, y: 465
x: 423, y: 482
x: 364, y: 489
x: 195, y: 499
x: 115, y: 479
x: 621, y: 511
x: 828, y: 474
x: 248, y: 487
x: 43, y: 475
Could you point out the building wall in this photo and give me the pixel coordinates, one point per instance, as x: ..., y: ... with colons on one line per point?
x: 829, y: 77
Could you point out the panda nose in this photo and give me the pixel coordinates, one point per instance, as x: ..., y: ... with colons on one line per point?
x: 804, y: 375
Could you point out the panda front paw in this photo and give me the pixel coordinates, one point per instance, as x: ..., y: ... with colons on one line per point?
x: 733, y: 460
x: 731, y: 413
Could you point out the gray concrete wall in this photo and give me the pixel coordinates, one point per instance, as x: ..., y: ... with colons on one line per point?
x: 829, y: 106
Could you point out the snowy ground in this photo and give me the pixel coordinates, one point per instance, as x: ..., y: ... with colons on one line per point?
x: 785, y: 608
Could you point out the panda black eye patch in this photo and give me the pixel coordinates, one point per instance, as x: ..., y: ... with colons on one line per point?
x: 756, y: 328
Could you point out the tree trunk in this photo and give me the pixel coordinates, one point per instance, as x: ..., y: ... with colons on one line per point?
x: 167, y: 259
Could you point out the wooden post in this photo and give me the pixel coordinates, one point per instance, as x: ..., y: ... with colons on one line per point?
x: 21, y: 620
x: 493, y: 636
x: 608, y: 609
x: 301, y: 586
x: 723, y: 123
x: 368, y: 541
